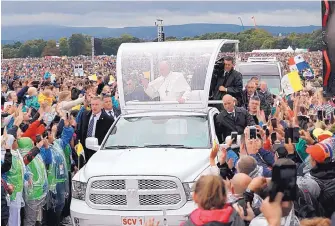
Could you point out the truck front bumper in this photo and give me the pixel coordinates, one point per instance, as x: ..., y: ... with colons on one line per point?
x: 83, y: 215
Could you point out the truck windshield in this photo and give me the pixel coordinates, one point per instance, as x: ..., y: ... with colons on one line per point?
x: 258, y: 69
x: 272, y: 81
x: 160, y: 131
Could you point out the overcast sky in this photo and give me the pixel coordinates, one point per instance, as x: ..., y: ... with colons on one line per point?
x: 125, y: 14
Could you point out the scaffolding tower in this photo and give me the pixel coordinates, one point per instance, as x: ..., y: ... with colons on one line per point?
x: 160, y: 30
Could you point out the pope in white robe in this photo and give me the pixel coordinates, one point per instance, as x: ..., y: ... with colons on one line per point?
x: 169, y: 86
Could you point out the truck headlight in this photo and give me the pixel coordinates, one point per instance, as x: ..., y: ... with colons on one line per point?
x: 79, y: 190
x: 189, y: 188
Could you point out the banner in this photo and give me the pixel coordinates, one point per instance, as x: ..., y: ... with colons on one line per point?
x: 291, y: 83
x: 78, y: 70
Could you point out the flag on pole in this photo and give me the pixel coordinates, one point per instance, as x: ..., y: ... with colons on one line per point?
x: 298, y: 63
x: 79, y: 149
x: 291, y: 83
x: 93, y: 77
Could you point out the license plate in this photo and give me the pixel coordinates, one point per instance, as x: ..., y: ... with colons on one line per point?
x: 132, y: 221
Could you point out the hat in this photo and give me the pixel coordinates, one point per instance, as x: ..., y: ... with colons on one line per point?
x: 318, y: 153
x: 321, y: 134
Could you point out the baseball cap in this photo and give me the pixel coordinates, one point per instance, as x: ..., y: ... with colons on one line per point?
x: 321, y: 134
x: 318, y: 153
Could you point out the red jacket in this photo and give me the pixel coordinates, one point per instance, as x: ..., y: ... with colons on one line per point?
x: 222, y: 217
x: 34, y: 129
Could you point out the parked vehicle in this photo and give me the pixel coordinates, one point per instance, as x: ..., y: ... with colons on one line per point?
x: 267, y: 69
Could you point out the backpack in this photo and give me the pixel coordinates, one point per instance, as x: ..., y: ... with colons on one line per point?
x: 327, y: 195
x: 306, y: 206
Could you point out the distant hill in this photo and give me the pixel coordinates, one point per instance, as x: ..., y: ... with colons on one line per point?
x: 23, y: 33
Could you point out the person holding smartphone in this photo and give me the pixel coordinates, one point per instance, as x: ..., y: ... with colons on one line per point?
x: 231, y: 119
x: 227, y: 160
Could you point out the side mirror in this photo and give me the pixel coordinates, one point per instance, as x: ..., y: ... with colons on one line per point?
x: 92, y: 143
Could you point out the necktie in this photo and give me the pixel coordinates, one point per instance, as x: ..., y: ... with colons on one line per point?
x: 111, y: 113
x: 232, y: 115
x: 90, y: 127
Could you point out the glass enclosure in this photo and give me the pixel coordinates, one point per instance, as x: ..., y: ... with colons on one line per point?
x: 166, y: 75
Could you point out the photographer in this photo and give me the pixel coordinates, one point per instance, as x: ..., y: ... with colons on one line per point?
x: 226, y: 80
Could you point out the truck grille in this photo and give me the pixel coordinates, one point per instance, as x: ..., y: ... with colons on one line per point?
x: 158, y: 200
x: 135, y: 193
x: 109, y: 184
x: 156, y: 184
x: 109, y: 200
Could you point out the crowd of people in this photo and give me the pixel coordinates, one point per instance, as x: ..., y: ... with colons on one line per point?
x: 47, y: 114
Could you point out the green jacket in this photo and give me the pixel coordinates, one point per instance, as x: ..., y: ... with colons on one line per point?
x: 15, y: 175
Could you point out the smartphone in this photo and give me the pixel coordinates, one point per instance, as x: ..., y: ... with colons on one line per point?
x: 295, y: 135
x: 288, y: 135
x: 327, y: 121
x: 267, y: 132
x: 284, y: 179
x: 320, y: 115
x: 273, y: 137
x: 264, y: 127
x: 252, y: 132
x: 324, y: 113
x: 45, y: 134
x: 234, y: 137
x: 67, y: 116
x: 274, y: 123
x: 38, y: 138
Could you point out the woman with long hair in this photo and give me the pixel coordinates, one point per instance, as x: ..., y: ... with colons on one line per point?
x: 210, y: 196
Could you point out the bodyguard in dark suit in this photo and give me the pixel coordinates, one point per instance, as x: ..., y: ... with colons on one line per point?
x: 231, y: 119
x: 249, y: 92
x: 226, y: 81
x: 109, y: 108
x: 94, y: 123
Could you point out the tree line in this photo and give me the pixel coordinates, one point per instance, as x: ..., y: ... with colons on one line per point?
x: 80, y: 44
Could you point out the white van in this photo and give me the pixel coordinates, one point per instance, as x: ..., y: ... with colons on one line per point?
x: 156, y: 150
x: 267, y: 69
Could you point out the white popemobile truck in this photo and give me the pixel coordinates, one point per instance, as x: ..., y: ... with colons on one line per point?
x: 159, y: 146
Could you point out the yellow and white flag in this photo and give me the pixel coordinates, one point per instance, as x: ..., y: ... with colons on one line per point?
x: 291, y: 83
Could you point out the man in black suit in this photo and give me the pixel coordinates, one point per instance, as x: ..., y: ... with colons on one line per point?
x: 249, y: 92
x: 226, y: 81
x: 231, y: 119
x: 94, y: 123
x: 109, y: 108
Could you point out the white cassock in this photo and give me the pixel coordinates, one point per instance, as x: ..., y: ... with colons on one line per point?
x: 169, y: 88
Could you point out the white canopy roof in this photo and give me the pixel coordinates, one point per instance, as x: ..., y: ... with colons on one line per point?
x: 166, y: 75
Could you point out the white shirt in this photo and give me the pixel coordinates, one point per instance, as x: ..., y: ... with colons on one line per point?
x: 233, y: 112
x: 169, y: 88
x: 110, y: 113
x: 97, y: 116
